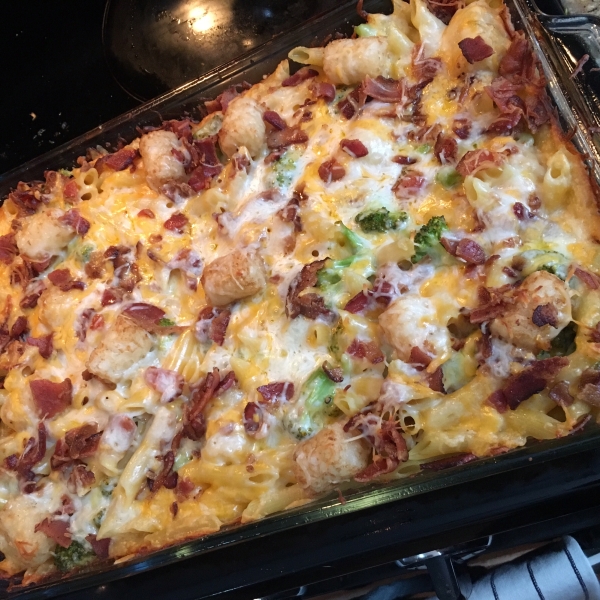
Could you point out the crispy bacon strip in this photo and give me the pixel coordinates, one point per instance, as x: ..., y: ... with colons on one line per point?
x: 331, y: 170
x: 56, y: 529
x: 51, y: 398
x: 253, y: 418
x: 276, y: 392
x: 8, y: 248
x: 475, y: 49
x: 64, y: 281
x: 73, y: 219
x: 44, y: 344
x: 476, y: 160
x: 310, y: 305
x: 194, y: 423
x: 299, y: 76
x: 368, y: 350
x: 283, y: 138
x: 79, y: 443
x: 212, y: 324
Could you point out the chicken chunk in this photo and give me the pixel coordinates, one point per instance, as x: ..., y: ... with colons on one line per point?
x: 329, y: 458
x: 160, y: 162
x: 43, y: 235
x: 124, y: 345
x: 411, y: 321
x: 234, y: 276
x: 243, y: 126
x: 540, y: 311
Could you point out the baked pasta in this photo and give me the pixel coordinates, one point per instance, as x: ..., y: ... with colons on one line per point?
x: 385, y: 262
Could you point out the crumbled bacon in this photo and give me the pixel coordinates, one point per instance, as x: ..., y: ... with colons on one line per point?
x: 64, y: 281
x: 358, y: 303
x: 443, y: 9
x: 436, y: 380
x: 462, y: 128
x: 352, y: 103
x: 282, y: 139
x: 51, y: 398
x: 181, y: 128
x: 204, y: 165
x: 545, y: 314
x: 299, y: 76
x: 591, y: 280
x: 309, y: 305
x: 27, y: 198
x: 149, y: 318
x: 494, y: 302
x: 176, y: 222
x: 253, y: 418
x: 408, y: 184
x: 33, y: 452
x: 419, y: 358
x: 521, y: 211
x: 561, y: 395
x: 146, y: 213
x: 447, y: 462
x: 223, y: 100
x: 384, y: 89
x: 100, y: 547
x: 43, y: 344
x: 212, y: 324
x: 276, y: 392
x: 445, y: 149
x: 71, y: 191
x: 73, y: 219
x: 194, y: 423
x: 331, y: 170
x: 475, y: 49
x: 334, y: 373
x: 111, y: 296
x: 519, y: 58
x: 79, y: 443
x: 367, y: 350
x: 57, y: 530
x: 33, y: 291
x: 505, y: 124
x: 355, y: 148
x: 323, y: 90
x: 475, y: 160
x: 424, y: 68
x: 94, y: 268
x: 290, y: 213
x: 274, y: 119
x: 191, y: 263
x: 117, y: 161
x: 167, y: 477
x: 166, y: 382
x: 80, y: 480
x: 470, y: 251
x: 400, y: 159
x: 8, y: 248
x: 531, y: 380
x: 179, y: 191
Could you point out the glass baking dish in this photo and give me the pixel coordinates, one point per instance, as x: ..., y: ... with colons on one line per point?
x: 574, y: 114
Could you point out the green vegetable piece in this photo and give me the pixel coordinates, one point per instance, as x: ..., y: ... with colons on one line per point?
x: 85, y: 252
x: 211, y: 127
x: 357, y: 243
x: 365, y: 30
x: 65, y: 172
x: 332, y: 274
x: 164, y: 322
x: 448, y: 178
x: 380, y: 220
x: 284, y: 167
x: 74, y: 556
x: 428, y: 237
x: 99, y: 518
x: 423, y: 148
x: 563, y: 344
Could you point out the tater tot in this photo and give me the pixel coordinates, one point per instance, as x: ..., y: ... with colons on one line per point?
x: 160, y: 162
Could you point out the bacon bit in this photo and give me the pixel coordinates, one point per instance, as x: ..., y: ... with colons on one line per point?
x: 290, y: 213
x: 462, y: 128
x: 443, y: 9
x: 178, y: 191
x: 424, y: 68
x: 331, y: 170
x: 33, y: 452
x: 355, y: 148
x: 447, y: 462
x: 534, y: 202
x: 475, y: 49
x: 274, y: 119
x: 253, y: 418
x: 166, y: 382
x: 223, y: 100
x: 27, y: 198
x: 57, y: 530
x: 19, y: 327
x: 404, y: 160
x: 176, y: 223
x: 51, y: 398
x: 545, y: 314
x: 560, y: 394
x: 32, y: 294
x: 226, y: 383
x: 476, y: 160
x: 494, y: 302
x: 531, y: 380
x: 519, y: 58
x: 118, y: 161
x: 419, y: 357
x: 194, y: 423
x: 63, y: 280
x: 79, y: 443
x: 182, y: 128
x: 8, y: 248
x: 579, y: 66
x: 174, y: 509
x: 111, y: 296
x: 94, y: 268
x: 73, y: 219
x: 436, y: 380
x: 146, y: 213
x: 277, y: 391
x: 71, y: 191
x: 591, y: 280
x: 449, y: 245
x: 505, y: 124
x: 470, y: 251
x: 384, y: 89
x: 334, y: 373
x: 204, y: 164
x: 408, y: 184
x: 308, y: 305
x: 80, y: 480
x: 521, y: 211
x: 212, y: 325
x: 288, y: 136
x: 166, y: 477
x: 358, y: 303
x: 323, y: 90
x: 368, y: 350
x: 351, y: 104
x: 100, y: 547
x: 445, y: 149
x: 299, y: 76
x: 97, y: 322
x: 185, y: 487
x: 43, y: 344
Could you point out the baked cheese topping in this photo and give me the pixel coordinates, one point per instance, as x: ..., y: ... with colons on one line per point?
x: 383, y: 263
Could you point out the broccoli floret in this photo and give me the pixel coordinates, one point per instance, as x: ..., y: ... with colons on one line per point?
x: 448, y: 178
x: 317, y: 399
x: 365, y: 30
x: 332, y: 273
x: 65, y: 172
x: 428, y: 237
x: 74, y: 556
x: 85, y: 252
x: 284, y: 168
x: 357, y: 243
x: 164, y: 322
x: 423, y: 148
x: 211, y: 127
x: 563, y: 344
x: 97, y: 521
x: 380, y: 220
